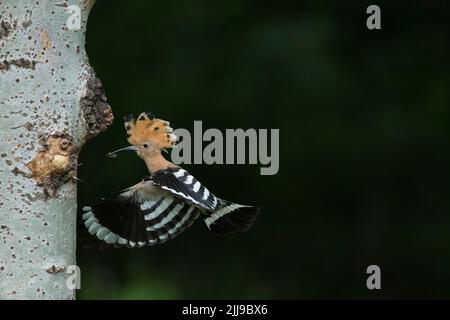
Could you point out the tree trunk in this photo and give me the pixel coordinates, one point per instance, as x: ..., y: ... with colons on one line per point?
x: 50, y: 104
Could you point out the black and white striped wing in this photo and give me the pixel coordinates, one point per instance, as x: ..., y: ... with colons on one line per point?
x: 182, y: 184
x: 143, y: 215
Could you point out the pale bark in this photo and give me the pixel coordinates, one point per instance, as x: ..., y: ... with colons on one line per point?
x: 50, y: 103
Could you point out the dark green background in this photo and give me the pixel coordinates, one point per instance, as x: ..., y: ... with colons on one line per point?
x: 364, y: 144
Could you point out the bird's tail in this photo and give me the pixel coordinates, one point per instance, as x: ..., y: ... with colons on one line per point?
x: 231, y: 217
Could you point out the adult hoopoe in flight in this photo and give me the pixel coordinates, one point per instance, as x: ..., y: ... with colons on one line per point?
x: 165, y: 203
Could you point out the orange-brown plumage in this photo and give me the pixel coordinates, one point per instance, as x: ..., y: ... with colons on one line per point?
x: 148, y: 137
x: 149, y: 129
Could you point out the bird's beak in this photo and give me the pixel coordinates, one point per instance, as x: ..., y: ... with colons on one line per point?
x: 113, y: 154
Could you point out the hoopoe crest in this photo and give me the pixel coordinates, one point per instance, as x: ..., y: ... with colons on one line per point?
x: 149, y: 129
x: 163, y: 204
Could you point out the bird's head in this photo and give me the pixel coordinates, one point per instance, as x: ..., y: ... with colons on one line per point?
x: 147, y: 135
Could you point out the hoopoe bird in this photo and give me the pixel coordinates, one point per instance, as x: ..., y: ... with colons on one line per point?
x: 164, y: 203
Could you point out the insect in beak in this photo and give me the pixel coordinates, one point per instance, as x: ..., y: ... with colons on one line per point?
x: 114, y: 153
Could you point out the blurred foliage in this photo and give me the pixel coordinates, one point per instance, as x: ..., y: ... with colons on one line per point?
x: 364, y: 144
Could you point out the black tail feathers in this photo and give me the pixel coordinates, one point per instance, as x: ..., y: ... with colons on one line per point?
x: 231, y: 218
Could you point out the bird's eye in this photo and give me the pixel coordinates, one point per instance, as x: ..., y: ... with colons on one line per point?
x: 145, y: 145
